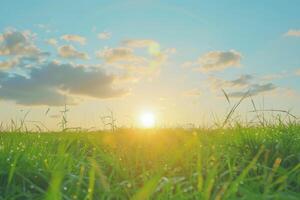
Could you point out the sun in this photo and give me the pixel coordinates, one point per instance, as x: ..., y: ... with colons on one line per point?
x: 147, y: 119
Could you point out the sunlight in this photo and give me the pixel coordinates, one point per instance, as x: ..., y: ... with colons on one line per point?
x: 147, y: 119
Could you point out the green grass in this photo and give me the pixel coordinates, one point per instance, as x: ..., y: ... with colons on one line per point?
x: 230, y: 163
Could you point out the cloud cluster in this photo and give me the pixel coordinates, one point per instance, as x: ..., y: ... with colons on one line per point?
x: 74, y: 38
x: 216, y: 61
x: 220, y: 60
x: 53, y: 84
x: 36, y: 80
x: 147, y: 63
x: 68, y: 51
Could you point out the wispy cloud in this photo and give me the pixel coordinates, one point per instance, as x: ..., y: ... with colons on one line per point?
x: 253, y: 90
x: 240, y: 82
x: 52, y: 42
x: 104, y: 35
x: 244, y: 84
x: 46, y: 27
x: 117, y: 54
x: 276, y: 76
x: 293, y: 33
x: 74, y: 38
x: 140, y: 43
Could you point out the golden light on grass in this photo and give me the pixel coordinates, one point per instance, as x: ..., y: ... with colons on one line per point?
x: 147, y: 119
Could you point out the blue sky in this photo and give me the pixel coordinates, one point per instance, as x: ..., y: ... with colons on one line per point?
x: 180, y: 56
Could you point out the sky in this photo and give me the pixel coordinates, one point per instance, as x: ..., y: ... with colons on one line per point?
x: 172, y: 58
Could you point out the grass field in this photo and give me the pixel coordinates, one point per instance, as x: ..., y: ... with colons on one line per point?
x: 230, y: 163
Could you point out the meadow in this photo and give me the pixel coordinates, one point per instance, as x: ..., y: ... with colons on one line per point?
x: 240, y: 162
x: 150, y: 100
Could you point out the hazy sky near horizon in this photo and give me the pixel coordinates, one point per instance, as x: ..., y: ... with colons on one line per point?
x: 171, y: 57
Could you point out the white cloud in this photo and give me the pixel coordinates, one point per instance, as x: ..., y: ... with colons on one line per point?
x: 216, y: 61
x: 44, y: 27
x: 52, y: 82
x: 68, y: 51
x: 104, y: 35
x: 18, y: 43
x: 143, y: 63
x: 293, y: 32
x: 19, y: 49
x: 74, y: 38
x: 52, y: 42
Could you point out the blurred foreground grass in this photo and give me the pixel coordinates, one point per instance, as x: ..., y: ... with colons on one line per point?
x: 236, y: 163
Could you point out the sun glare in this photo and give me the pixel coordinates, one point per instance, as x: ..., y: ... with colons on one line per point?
x: 147, y: 119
